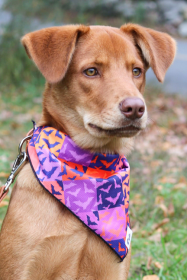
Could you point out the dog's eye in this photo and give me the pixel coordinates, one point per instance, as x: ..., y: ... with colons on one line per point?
x: 91, y: 72
x: 137, y: 72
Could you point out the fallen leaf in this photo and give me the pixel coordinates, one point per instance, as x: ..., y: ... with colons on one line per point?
x: 15, y: 125
x: 3, y: 203
x: 156, y: 163
x: 5, y: 132
x: 171, y: 209
x: 4, y: 175
x: 167, y: 179
x: 2, y: 144
x: 158, y: 265
x: 180, y: 186
x: 155, y: 237
x: 166, y: 146
x: 143, y: 233
x: 137, y: 200
x: 159, y: 187
x: 183, y: 180
x: 184, y: 207
x: 151, y: 277
x: 159, y: 200
x: 164, y: 209
x: 163, y: 222
x: 163, y: 130
x: 182, y: 130
x: 149, y: 261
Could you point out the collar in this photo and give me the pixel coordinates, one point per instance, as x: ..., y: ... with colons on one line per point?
x: 93, y: 186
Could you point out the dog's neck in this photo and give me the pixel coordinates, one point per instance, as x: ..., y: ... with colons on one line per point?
x: 83, y: 138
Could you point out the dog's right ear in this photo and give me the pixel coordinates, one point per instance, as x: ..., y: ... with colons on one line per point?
x: 52, y: 48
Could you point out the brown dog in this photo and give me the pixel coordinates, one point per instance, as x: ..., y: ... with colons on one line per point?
x: 95, y: 80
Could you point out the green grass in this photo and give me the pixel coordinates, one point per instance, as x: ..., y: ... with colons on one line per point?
x: 159, y: 183
x: 158, y: 177
x: 17, y: 108
x: 171, y: 250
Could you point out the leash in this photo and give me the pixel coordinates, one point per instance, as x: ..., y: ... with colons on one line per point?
x: 17, y: 165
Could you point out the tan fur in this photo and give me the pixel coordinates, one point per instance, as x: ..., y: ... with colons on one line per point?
x: 40, y: 239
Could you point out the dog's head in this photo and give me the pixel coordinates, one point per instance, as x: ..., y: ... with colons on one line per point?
x: 95, y: 80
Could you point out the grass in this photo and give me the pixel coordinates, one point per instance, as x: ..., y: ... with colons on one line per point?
x: 159, y: 192
x: 17, y: 108
x: 158, y: 200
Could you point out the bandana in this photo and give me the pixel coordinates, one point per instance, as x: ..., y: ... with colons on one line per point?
x: 93, y: 186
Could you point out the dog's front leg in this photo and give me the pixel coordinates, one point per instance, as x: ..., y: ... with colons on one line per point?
x: 56, y: 258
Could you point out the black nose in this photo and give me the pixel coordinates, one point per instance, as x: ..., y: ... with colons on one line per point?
x: 132, y: 108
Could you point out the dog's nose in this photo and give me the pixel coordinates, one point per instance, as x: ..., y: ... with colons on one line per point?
x: 132, y: 108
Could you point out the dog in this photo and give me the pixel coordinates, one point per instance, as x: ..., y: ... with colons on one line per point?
x: 95, y: 78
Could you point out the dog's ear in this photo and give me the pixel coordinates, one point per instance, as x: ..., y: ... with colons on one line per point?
x: 52, y: 48
x: 158, y: 48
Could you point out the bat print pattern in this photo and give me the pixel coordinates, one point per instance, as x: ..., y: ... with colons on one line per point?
x: 94, y: 187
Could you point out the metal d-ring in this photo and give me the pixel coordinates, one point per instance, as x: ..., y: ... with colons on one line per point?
x: 22, y: 142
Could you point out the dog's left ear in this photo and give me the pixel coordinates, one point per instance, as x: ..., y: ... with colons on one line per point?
x: 158, y: 48
x: 52, y: 49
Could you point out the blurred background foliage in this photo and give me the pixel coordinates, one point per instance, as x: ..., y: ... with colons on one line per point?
x: 25, y: 16
x: 31, y: 15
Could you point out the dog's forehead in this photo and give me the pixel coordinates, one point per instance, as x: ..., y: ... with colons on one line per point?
x: 107, y: 41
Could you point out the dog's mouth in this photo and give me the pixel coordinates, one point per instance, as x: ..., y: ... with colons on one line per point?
x: 124, y: 131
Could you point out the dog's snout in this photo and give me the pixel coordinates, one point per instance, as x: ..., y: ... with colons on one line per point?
x: 132, y: 108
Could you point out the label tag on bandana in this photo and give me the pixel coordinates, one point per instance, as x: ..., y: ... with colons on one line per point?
x: 93, y: 186
x: 128, y: 237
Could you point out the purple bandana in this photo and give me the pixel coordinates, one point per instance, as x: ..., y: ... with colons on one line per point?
x: 93, y: 186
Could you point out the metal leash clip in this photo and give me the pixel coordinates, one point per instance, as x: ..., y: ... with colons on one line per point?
x: 18, y: 163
